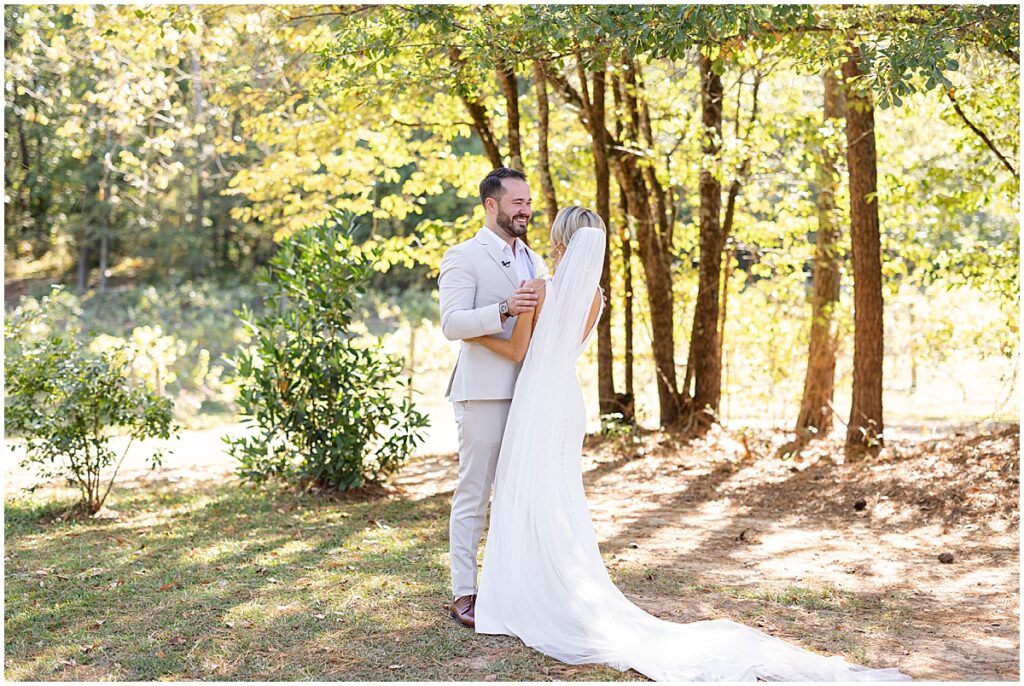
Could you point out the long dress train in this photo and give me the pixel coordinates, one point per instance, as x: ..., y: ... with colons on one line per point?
x: 543, y: 578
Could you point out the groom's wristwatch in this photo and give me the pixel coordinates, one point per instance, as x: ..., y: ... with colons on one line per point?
x: 503, y: 310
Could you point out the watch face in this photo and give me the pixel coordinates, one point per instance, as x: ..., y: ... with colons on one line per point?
x: 503, y: 308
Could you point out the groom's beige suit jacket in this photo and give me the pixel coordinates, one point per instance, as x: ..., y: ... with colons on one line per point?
x: 475, y: 277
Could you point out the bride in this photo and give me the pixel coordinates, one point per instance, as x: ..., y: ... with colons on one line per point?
x: 543, y: 578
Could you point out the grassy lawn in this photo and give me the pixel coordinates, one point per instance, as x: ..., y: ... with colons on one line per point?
x: 200, y: 577
x: 222, y: 581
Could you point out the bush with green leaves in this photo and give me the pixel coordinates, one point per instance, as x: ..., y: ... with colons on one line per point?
x: 66, y: 400
x: 328, y: 411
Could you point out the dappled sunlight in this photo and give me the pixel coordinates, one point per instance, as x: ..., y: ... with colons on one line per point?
x: 180, y: 588
x: 262, y: 202
x: 357, y: 582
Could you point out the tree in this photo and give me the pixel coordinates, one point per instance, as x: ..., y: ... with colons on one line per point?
x: 815, y: 418
x: 864, y: 430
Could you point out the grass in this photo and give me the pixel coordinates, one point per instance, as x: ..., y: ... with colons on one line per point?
x: 229, y: 582
x: 214, y: 580
x: 801, y: 596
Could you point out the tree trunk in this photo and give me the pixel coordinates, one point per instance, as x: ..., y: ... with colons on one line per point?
x: 655, y: 264
x: 104, y: 252
x: 546, y: 183
x: 595, y: 103
x: 703, y: 359
x: 662, y: 212
x: 626, y: 402
x: 86, y: 233
x: 815, y: 418
x: 730, y: 211
x: 627, y: 281
x: 411, y: 360
x: 864, y: 430
x: 724, y: 309
x: 624, y: 163
x: 83, y: 269
x: 510, y: 89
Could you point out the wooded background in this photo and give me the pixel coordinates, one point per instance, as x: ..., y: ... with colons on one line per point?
x: 808, y: 206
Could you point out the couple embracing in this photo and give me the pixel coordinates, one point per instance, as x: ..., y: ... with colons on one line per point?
x: 521, y: 422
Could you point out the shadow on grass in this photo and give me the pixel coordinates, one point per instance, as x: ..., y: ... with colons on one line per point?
x: 223, y: 581
x: 217, y: 580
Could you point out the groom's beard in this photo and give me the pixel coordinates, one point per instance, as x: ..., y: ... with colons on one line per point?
x: 508, y: 224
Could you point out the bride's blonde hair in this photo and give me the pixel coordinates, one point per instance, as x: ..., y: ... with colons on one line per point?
x: 569, y: 219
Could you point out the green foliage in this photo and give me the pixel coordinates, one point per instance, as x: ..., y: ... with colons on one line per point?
x: 325, y: 408
x: 64, y: 399
x: 174, y: 335
x: 615, y: 425
x: 265, y: 118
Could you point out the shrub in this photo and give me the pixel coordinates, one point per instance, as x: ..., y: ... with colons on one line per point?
x: 176, y: 335
x: 64, y: 399
x: 327, y: 410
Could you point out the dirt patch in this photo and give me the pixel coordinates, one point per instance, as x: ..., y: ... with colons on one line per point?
x: 833, y: 556
x: 838, y: 558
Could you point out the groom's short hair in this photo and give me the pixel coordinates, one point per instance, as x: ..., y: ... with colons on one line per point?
x: 491, y: 187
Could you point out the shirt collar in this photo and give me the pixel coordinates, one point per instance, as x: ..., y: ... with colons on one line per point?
x: 505, y: 247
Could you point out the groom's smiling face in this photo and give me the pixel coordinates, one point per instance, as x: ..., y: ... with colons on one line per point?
x: 513, y: 208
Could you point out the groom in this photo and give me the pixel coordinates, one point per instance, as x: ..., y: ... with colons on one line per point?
x: 480, y: 293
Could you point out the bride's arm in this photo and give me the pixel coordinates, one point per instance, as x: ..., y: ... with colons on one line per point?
x: 595, y: 309
x: 539, y: 286
x: 516, y: 346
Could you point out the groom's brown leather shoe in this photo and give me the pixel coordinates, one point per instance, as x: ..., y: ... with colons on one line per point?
x: 463, y: 609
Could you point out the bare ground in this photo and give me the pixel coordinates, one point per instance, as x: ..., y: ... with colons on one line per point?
x: 722, y: 528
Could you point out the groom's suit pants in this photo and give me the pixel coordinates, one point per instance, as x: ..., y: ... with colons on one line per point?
x: 481, y: 424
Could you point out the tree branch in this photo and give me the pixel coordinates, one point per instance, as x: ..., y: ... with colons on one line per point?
x: 980, y: 133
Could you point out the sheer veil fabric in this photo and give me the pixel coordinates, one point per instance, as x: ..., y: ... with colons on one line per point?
x: 543, y: 578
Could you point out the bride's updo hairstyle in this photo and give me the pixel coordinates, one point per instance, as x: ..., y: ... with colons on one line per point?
x: 569, y: 219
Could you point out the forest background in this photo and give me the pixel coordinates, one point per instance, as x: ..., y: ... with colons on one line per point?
x: 156, y: 155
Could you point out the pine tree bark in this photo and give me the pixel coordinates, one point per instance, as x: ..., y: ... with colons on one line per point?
x: 815, y: 418
x: 864, y: 430
x: 546, y: 183
x: 703, y: 359
x: 627, y: 306
x: 662, y: 212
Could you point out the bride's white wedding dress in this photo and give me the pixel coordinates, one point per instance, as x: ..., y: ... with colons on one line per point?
x: 543, y: 577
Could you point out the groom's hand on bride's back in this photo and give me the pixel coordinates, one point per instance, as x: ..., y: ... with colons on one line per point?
x: 524, y: 298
